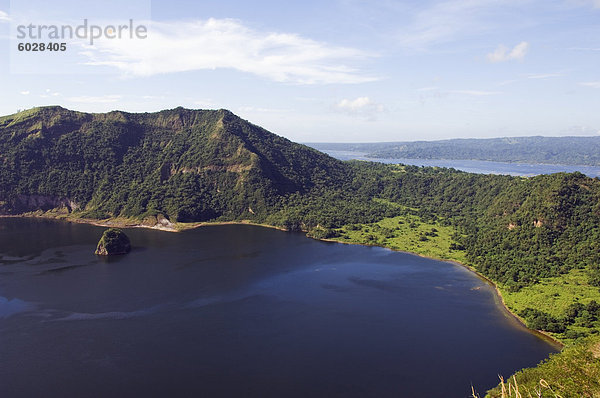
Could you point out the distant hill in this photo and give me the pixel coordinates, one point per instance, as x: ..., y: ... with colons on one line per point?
x: 548, y: 150
x: 190, y: 165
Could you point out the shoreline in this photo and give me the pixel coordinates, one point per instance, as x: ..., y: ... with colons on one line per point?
x: 499, y: 299
x: 126, y: 223
x: 502, y: 304
x: 180, y: 227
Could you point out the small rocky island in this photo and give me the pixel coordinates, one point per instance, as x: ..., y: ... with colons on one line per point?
x: 113, y: 242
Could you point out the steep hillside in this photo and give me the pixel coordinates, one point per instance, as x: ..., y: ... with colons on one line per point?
x: 190, y: 165
x: 550, y: 222
x: 572, y: 373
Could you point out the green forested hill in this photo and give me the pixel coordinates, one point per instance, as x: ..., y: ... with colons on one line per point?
x: 537, y: 238
x: 189, y: 165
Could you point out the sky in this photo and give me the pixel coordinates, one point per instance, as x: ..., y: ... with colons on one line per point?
x: 322, y: 71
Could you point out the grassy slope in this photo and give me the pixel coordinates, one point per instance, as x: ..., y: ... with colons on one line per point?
x: 554, y: 295
x: 405, y: 233
x: 574, y: 372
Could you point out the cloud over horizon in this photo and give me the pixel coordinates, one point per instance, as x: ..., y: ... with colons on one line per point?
x: 503, y: 53
x: 173, y: 47
x: 360, y: 106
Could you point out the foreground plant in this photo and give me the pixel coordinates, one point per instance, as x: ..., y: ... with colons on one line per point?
x: 574, y: 372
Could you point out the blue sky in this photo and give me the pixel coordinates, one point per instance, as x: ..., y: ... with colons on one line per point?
x: 325, y: 71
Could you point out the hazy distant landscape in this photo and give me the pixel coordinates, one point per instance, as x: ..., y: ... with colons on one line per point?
x: 473, y: 166
x: 535, y: 150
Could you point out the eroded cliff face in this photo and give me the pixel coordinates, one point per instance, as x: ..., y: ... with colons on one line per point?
x: 28, y: 203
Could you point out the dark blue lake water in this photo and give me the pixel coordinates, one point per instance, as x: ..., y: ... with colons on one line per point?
x: 242, y: 311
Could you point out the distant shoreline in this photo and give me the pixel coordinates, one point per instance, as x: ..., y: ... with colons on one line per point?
x: 566, y: 150
x: 180, y: 227
x: 478, y: 166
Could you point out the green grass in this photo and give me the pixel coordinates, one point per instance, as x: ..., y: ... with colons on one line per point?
x: 20, y: 116
x: 574, y: 372
x: 406, y: 233
x: 554, y: 295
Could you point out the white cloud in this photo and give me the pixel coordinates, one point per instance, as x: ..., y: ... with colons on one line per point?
x: 590, y: 84
x: 49, y: 93
x: 355, y: 104
x: 502, y: 53
x: 227, y: 44
x: 4, y: 16
x: 105, y: 99
x: 24, y: 92
x: 361, y: 106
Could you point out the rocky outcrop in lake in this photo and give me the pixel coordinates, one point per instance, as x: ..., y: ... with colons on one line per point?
x: 113, y: 242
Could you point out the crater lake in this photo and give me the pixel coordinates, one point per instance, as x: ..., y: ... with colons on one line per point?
x: 243, y: 311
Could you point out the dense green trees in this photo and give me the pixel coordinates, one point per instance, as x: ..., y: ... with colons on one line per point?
x: 189, y: 165
x: 113, y: 242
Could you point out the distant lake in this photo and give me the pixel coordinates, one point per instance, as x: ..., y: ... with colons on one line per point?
x: 475, y: 166
x: 243, y: 311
